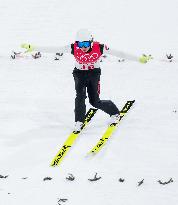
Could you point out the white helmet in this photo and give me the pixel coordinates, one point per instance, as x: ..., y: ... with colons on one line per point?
x: 83, y: 35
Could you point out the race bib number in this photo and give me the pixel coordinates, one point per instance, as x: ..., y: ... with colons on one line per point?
x: 87, y: 67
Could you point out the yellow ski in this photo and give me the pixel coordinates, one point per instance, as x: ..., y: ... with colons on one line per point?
x: 111, y: 128
x: 71, y: 139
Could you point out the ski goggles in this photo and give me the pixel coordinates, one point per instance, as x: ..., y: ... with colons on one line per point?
x: 84, y: 44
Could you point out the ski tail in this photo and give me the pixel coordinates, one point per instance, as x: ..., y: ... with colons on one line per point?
x: 111, y: 128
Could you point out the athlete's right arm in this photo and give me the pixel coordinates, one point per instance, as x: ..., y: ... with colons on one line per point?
x: 46, y: 49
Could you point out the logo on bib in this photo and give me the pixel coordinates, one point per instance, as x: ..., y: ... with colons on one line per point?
x: 87, y: 58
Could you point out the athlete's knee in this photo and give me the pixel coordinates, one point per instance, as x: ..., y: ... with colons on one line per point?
x: 81, y: 95
x: 95, y: 103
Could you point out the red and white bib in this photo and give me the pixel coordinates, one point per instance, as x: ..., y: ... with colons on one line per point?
x: 87, y: 58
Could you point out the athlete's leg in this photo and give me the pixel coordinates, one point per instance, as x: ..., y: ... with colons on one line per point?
x: 80, y: 87
x: 93, y: 93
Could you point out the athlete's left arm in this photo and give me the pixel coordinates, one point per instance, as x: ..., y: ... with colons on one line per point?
x: 120, y: 54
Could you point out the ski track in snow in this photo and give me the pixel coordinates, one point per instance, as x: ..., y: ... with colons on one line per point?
x: 37, y: 105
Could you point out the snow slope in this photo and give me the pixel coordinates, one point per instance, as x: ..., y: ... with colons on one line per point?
x: 37, y: 103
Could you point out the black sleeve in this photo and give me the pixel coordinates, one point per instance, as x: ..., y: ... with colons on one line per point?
x: 101, y: 48
x: 72, y: 49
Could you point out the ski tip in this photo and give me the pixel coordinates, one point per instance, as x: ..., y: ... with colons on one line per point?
x: 91, y: 153
x: 76, y: 132
x: 52, y: 165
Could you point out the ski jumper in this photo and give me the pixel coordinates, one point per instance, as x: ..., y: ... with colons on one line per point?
x: 87, y: 75
x: 87, y: 78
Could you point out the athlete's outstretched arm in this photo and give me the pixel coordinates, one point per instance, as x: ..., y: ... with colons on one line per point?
x: 47, y: 49
x: 120, y: 54
x: 55, y: 49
